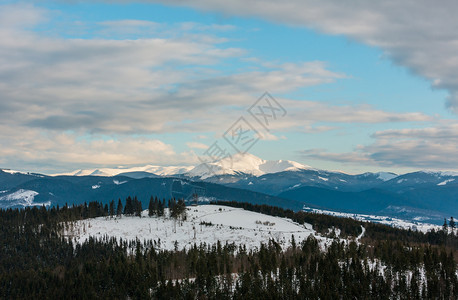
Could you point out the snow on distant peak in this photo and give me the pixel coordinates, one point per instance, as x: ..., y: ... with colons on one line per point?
x: 157, y: 170
x: 245, y: 163
x: 275, y: 166
x: 441, y: 173
x: 385, y: 176
x: 9, y: 171
x: 12, y: 171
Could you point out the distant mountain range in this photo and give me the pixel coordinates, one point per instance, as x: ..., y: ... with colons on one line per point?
x: 420, y: 196
x: 237, y: 164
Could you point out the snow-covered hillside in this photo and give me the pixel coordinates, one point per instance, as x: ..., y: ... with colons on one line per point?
x: 204, y: 224
x: 14, y: 172
x: 390, y: 221
x: 20, y: 198
x: 246, y: 164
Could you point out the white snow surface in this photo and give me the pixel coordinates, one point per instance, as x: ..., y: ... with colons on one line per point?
x: 394, y: 222
x: 232, y: 225
x: 446, y: 181
x: 441, y: 173
x: 21, y: 194
x: 9, y: 171
x: 117, y: 182
x: 244, y: 163
x: 12, y: 171
x: 22, y: 197
x: 385, y: 176
x: 157, y: 170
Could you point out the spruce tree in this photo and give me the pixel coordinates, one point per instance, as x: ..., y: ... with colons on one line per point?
x: 119, y: 208
x: 112, y: 208
x: 452, y: 224
x: 138, y: 207
x: 151, y: 211
x: 129, y: 208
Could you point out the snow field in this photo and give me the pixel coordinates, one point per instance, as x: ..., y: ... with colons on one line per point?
x: 204, y: 224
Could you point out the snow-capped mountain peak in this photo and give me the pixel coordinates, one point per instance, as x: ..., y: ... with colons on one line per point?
x: 438, y: 173
x: 246, y: 164
x: 385, y: 176
x: 157, y: 170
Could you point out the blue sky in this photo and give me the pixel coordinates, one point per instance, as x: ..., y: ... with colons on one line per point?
x: 97, y: 84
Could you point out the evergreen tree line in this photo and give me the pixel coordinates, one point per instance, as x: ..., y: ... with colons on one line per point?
x: 104, y: 268
x: 36, y: 261
x: 350, y: 227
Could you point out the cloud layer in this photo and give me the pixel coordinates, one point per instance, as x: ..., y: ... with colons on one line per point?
x: 420, y: 148
x: 98, y: 101
x: 420, y: 35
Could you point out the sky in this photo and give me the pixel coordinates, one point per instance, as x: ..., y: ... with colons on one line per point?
x: 353, y: 86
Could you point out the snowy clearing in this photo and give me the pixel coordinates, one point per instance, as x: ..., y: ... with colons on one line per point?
x: 22, y: 198
x: 204, y: 224
x: 394, y: 222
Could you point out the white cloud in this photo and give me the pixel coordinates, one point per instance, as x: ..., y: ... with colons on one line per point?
x: 419, y: 148
x: 60, y: 95
x: 21, y: 16
x: 420, y: 35
x: 196, y: 145
x: 49, y: 152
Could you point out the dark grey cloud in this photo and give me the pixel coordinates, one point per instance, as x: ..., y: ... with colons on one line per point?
x: 67, y: 122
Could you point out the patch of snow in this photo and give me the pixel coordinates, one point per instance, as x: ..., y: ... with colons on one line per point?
x: 117, y: 182
x: 21, y: 198
x: 96, y: 186
x: 401, y: 180
x: 322, y: 178
x: 363, y: 231
x: 250, y: 183
x: 449, y: 173
x: 446, y: 181
x: 385, y: 176
x: 394, y: 222
x: 441, y: 173
x: 26, y: 195
x: 9, y: 171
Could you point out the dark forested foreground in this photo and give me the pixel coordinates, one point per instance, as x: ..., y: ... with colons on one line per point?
x: 36, y: 261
